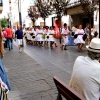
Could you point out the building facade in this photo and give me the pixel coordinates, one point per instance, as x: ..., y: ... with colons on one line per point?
x: 1, y: 6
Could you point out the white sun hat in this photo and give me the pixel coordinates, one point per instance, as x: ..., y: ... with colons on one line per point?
x: 94, y: 45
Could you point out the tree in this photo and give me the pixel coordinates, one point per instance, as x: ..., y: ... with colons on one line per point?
x: 43, y: 8
x: 32, y: 13
x: 89, y: 6
x: 4, y: 22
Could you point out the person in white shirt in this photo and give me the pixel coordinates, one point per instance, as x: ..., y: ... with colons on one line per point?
x: 86, y: 72
x: 39, y: 33
x: 79, y: 40
x: 65, y: 33
x: 51, y: 37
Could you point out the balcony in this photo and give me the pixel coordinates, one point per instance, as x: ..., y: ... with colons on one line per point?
x: 1, y: 6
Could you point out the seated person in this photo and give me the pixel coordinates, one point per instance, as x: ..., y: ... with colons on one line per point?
x: 86, y: 72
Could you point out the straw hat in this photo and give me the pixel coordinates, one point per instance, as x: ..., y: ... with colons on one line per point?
x: 94, y: 45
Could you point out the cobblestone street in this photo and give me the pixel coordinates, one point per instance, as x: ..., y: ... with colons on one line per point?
x: 31, y: 72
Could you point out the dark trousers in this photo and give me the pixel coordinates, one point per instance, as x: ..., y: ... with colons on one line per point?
x: 10, y: 43
x: 5, y: 44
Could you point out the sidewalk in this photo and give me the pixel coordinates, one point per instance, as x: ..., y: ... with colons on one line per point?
x: 29, y: 80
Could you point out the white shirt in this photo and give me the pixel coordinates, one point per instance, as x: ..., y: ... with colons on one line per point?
x: 86, y: 78
x: 65, y: 31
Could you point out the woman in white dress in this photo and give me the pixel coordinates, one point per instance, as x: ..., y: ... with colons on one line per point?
x: 39, y: 38
x: 46, y: 32
x: 34, y: 36
x: 51, y: 37
x: 27, y: 35
x: 65, y: 33
x: 79, y: 40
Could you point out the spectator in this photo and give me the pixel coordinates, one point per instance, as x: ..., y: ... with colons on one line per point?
x: 9, y: 38
x: 3, y: 76
x: 19, y: 36
x: 86, y: 72
x: 4, y: 37
x: 87, y: 31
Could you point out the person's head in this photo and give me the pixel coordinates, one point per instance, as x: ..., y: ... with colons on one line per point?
x: 8, y: 26
x: 18, y: 28
x: 80, y: 26
x: 87, y: 25
x: 51, y: 27
x: 95, y: 34
x: 65, y: 25
x: 94, y: 49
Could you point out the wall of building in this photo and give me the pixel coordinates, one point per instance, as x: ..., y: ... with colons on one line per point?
x: 96, y: 20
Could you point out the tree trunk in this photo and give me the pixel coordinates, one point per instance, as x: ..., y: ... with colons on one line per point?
x: 44, y: 21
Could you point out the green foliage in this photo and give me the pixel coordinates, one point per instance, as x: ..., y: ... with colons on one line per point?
x: 3, y: 22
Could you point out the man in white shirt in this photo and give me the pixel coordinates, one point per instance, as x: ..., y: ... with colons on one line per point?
x: 86, y: 72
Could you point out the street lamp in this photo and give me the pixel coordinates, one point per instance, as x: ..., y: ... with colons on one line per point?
x: 19, y: 9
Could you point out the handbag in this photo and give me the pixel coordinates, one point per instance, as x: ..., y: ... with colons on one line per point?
x: 84, y: 37
x: 75, y: 36
x: 3, y: 93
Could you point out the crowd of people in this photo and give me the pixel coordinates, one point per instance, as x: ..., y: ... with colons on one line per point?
x: 85, y: 78
x: 42, y: 36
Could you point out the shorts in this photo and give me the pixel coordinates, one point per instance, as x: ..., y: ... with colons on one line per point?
x: 19, y: 41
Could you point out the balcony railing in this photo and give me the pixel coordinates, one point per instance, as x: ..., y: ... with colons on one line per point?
x: 1, y: 2
x: 73, y: 3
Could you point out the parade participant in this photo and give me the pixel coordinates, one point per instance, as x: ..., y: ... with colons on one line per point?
x: 46, y: 32
x: 54, y: 36
x: 39, y: 33
x: 28, y: 36
x: 86, y: 72
x: 51, y: 37
x: 34, y: 36
x: 3, y: 74
x: 65, y: 33
x: 19, y: 36
x: 9, y: 38
x: 79, y: 40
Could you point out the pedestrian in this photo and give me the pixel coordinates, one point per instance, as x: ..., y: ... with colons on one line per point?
x: 79, y: 40
x: 3, y: 75
x: 86, y: 72
x: 19, y: 36
x: 87, y: 32
x: 9, y: 38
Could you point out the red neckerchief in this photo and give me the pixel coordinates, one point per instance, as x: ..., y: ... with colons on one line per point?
x: 46, y: 30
